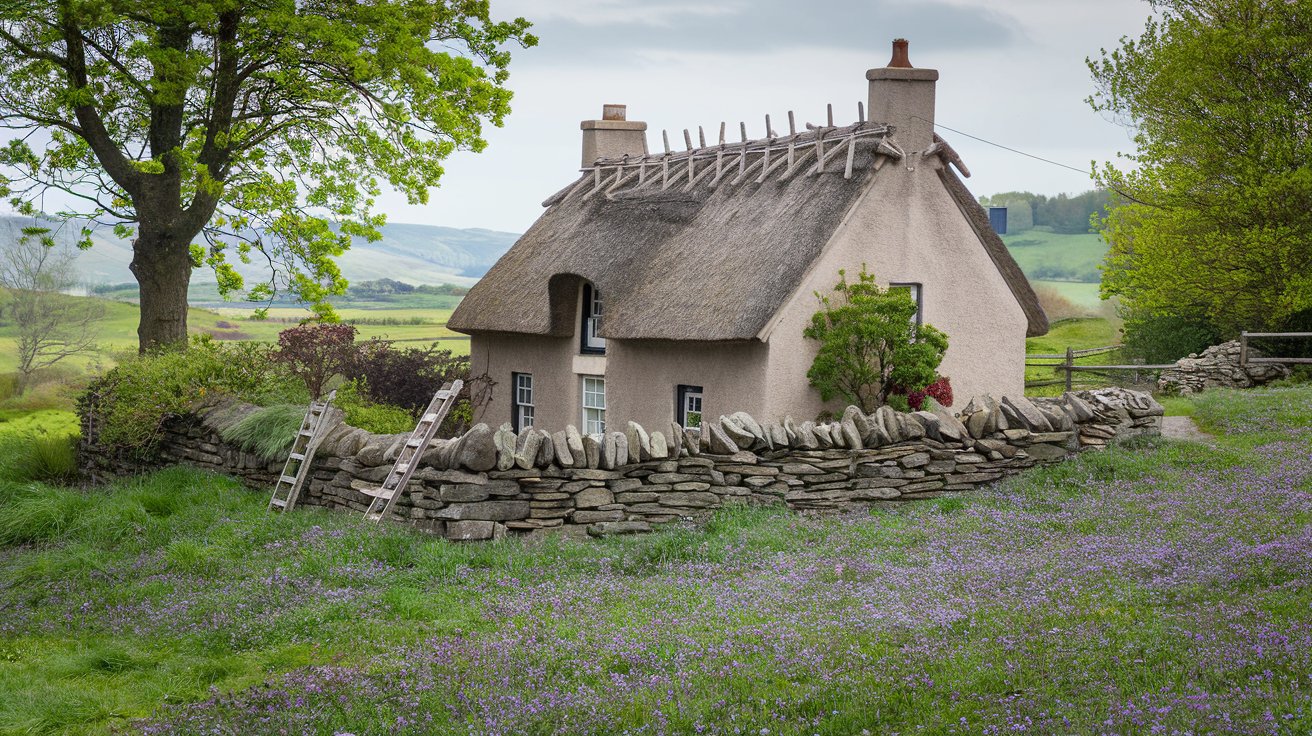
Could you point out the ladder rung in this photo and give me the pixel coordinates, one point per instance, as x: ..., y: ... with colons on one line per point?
x: 373, y: 517
x: 383, y: 493
x: 288, y: 479
x: 305, y: 433
x: 415, y: 442
x: 279, y: 502
x: 443, y: 395
x: 296, y: 456
x: 429, y: 418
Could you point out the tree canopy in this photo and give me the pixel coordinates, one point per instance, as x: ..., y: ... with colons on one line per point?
x: 1218, y: 223
x: 217, y: 131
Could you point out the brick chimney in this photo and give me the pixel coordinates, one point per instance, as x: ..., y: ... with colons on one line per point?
x: 903, y: 97
x: 612, y: 136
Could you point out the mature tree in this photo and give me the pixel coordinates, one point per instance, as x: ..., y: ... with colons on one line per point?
x: 1219, y: 94
x: 256, y: 128
x: 870, y: 343
x: 51, y: 326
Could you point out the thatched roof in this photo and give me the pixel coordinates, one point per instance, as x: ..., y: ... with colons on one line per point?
x: 705, y: 244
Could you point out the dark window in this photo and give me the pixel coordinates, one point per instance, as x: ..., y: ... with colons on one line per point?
x: 688, y: 408
x: 592, y: 342
x: 916, y: 296
x: 523, y: 412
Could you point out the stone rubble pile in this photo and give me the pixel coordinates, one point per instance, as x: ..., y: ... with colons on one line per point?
x: 1218, y: 367
x: 488, y: 483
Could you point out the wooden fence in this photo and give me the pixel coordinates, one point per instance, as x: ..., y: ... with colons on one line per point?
x: 1069, y: 368
x: 1244, y: 358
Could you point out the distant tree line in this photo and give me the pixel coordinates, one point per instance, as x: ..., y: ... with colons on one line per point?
x: 388, y: 287
x: 1062, y: 213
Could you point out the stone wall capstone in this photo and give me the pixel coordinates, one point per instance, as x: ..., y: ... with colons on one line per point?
x: 489, y: 483
x: 1218, y: 367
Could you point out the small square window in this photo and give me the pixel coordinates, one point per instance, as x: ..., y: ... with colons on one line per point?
x: 594, y: 405
x: 689, y: 406
x: 523, y: 409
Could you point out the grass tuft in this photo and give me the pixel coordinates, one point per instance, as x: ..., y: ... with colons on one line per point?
x: 268, y: 432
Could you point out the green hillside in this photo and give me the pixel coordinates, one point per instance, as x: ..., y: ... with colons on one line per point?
x: 416, y: 254
x: 1049, y: 256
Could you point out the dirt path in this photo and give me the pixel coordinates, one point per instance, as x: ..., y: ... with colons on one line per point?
x: 1183, y: 428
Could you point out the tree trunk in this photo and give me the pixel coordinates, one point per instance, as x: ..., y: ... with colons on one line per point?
x: 162, y: 264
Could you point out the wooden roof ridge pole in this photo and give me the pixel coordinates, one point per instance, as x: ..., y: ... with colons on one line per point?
x: 769, y: 142
x: 831, y: 153
x: 851, y: 157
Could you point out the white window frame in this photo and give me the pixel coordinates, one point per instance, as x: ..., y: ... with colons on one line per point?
x: 523, y: 407
x: 593, y: 342
x: 594, y: 404
x: 917, y: 295
x: 690, y: 400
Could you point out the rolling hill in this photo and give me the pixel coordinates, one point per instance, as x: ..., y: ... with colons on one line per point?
x: 416, y: 254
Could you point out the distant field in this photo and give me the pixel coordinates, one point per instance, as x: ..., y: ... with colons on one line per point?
x: 1046, y: 256
x: 118, y: 332
x: 1084, y: 295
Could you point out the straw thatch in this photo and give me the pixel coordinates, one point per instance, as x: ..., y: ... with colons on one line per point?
x: 709, y: 255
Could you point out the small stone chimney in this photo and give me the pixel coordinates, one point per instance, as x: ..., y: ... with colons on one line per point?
x: 612, y: 136
x: 903, y: 97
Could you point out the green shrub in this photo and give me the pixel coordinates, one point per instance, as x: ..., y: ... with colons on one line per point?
x: 1166, y: 338
x: 871, y: 343
x: 376, y: 418
x: 268, y: 432
x: 130, y: 403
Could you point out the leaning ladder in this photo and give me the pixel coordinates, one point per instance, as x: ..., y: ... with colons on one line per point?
x: 297, y: 467
x: 408, y: 458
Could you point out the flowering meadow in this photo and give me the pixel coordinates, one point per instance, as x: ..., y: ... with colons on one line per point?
x: 1158, y: 587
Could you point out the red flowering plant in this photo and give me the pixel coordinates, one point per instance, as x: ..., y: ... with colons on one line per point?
x: 940, y: 390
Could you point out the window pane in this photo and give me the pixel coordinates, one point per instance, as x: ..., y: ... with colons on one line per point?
x: 525, y: 417
x: 594, y: 405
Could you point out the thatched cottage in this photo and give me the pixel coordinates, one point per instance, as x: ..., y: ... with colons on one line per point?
x: 660, y: 286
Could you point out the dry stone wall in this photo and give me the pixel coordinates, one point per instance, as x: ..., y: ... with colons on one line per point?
x: 487, y: 483
x: 1218, y: 367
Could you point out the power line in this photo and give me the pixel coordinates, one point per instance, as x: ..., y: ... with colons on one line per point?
x: 1005, y: 148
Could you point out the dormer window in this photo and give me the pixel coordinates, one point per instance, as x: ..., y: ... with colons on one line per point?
x: 593, y: 342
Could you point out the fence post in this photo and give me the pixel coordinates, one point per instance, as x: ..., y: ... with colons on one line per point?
x: 1070, y: 361
x: 1243, y: 349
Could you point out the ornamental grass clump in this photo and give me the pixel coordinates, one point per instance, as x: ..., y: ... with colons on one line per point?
x: 871, y: 345
x: 267, y: 432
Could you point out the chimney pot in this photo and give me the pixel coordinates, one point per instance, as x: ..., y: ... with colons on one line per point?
x: 901, y: 58
x: 902, y: 96
x: 614, y: 112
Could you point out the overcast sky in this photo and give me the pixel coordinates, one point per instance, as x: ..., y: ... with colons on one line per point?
x: 1011, y: 71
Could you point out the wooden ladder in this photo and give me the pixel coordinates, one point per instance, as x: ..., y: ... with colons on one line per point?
x: 408, y: 458
x: 297, y: 467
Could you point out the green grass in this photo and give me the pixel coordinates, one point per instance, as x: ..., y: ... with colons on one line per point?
x: 1078, y: 334
x: 1079, y: 293
x: 1048, y: 256
x: 117, y: 333
x: 154, y: 590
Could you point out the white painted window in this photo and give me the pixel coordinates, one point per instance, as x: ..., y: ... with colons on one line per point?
x: 690, y: 406
x: 916, y: 296
x: 593, y: 342
x: 594, y: 405
x: 523, y: 415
